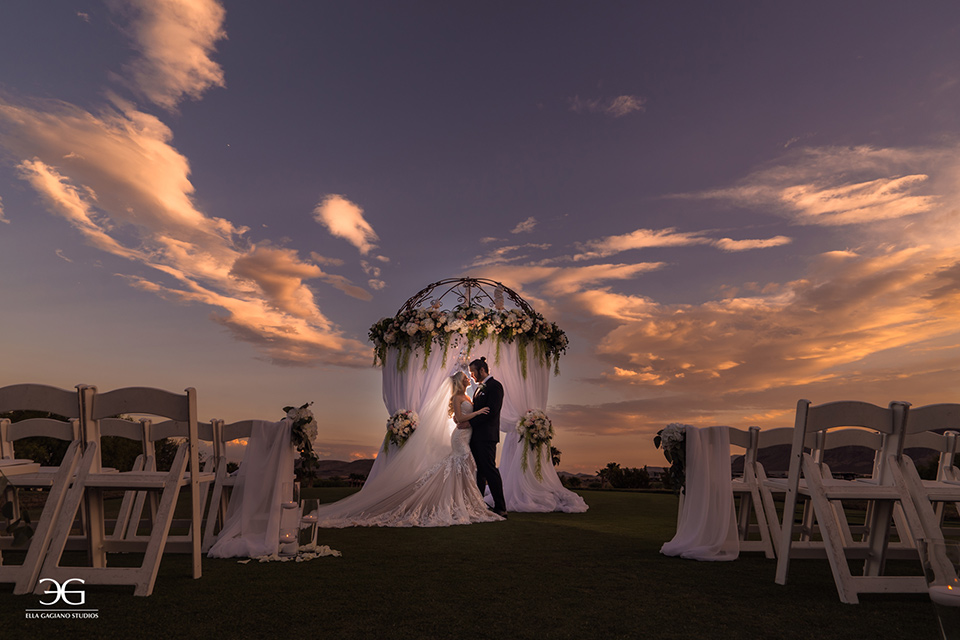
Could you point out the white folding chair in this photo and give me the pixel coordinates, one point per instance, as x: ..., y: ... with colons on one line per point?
x: 929, y: 496
x: 152, y: 433
x: 747, y: 488
x: 945, y: 446
x: 774, y: 489
x: 827, y: 493
x: 25, y: 474
x: 91, y: 482
x: 224, y: 434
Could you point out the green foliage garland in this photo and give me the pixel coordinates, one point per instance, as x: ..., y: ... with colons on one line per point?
x: 423, y: 328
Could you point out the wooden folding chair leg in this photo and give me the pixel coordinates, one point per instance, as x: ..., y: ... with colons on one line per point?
x: 824, y: 513
x: 126, y: 506
x: 214, y: 514
x: 143, y: 577
x: 30, y: 569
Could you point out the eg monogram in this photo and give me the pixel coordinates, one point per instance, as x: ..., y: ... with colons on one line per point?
x: 61, y: 593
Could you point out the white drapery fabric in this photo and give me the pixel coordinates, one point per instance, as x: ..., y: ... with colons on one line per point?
x: 252, y: 525
x: 707, y: 524
x: 396, y: 472
x: 521, y: 489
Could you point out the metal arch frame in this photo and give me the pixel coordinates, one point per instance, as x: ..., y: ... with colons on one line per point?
x: 468, y: 291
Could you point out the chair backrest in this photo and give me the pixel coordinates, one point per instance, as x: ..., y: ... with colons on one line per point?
x: 230, y: 432
x: 832, y: 439
x: 10, y: 432
x: 933, y: 417
x: 945, y: 444
x: 38, y: 397
x: 101, y: 410
x: 888, y: 424
x: 144, y: 400
x: 747, y: 440
x: 924, y: 420
x: 779, y: 437
x: 178, y: 429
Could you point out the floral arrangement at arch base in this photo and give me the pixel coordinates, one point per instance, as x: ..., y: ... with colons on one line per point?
x: 424, y: 328
x: 673, y: 440
x: 400, y: 426
x: 303, y: 431
x: 536, y: 429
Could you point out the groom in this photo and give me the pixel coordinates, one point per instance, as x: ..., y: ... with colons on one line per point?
x: 486, y: 433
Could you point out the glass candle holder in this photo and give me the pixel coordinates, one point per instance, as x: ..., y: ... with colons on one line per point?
x: 941, y: 561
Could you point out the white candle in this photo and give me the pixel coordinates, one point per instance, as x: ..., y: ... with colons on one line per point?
x: 945, y: 594
x: 312, y: 517
x: 287, y: 537
x: 289, y: 505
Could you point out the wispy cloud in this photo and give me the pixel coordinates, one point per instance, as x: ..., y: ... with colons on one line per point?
x: 373, y: 272
x: 561, y: 282
x: 116, y: 178
x: 526, y: 226
x: 834, y: 186
x: 728, y: 244
x: 344, y: 219
x: 615, y: 107
x: 639, y: 239
x: 669, y: 237
x: 175, y: 40
x: 502, y: 255
x: 3, y: 217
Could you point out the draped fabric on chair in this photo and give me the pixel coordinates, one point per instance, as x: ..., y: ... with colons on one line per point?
x: 707, y: 525
x: 252, y: 525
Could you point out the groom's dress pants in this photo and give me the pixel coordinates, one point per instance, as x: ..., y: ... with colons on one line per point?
x: 485, y: 455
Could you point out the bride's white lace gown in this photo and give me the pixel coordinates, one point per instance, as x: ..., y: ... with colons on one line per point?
x: 445, y: 495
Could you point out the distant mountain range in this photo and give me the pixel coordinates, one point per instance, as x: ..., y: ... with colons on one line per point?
x: 854, y: 460
x: 342, y: 469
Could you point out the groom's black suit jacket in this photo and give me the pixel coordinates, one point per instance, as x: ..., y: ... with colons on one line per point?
x: 486, y: 428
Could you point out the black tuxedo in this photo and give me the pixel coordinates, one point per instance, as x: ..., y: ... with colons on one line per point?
x: 486, y: 428
x: 484, y: 439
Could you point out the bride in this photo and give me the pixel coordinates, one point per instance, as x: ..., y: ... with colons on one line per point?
x: 445, y: 495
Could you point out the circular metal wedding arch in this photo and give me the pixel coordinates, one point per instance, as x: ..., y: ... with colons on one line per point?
x: 468, y: 292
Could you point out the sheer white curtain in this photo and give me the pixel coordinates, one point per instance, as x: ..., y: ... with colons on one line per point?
x: 707, y: 525
x: 521, y: 489
x: 252, y: 525
x: 395, y: 471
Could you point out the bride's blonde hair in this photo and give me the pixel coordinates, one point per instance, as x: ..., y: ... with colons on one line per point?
x: 458, y: 384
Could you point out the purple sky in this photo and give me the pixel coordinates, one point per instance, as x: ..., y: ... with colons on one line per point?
x: 727, y: 206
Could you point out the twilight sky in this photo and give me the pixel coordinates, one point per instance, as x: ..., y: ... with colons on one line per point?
x: 727, y: 206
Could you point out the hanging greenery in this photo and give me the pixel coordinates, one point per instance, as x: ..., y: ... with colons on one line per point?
x: 413, y: 329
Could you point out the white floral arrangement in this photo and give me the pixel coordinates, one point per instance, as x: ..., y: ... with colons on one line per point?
x: 673, y: 440
x: 400, y: 426
x: 536, y: 429
x: 303, y: 429
x: 422, y: 328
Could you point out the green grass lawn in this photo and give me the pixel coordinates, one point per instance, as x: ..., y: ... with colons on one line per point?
x: 592, y: 575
